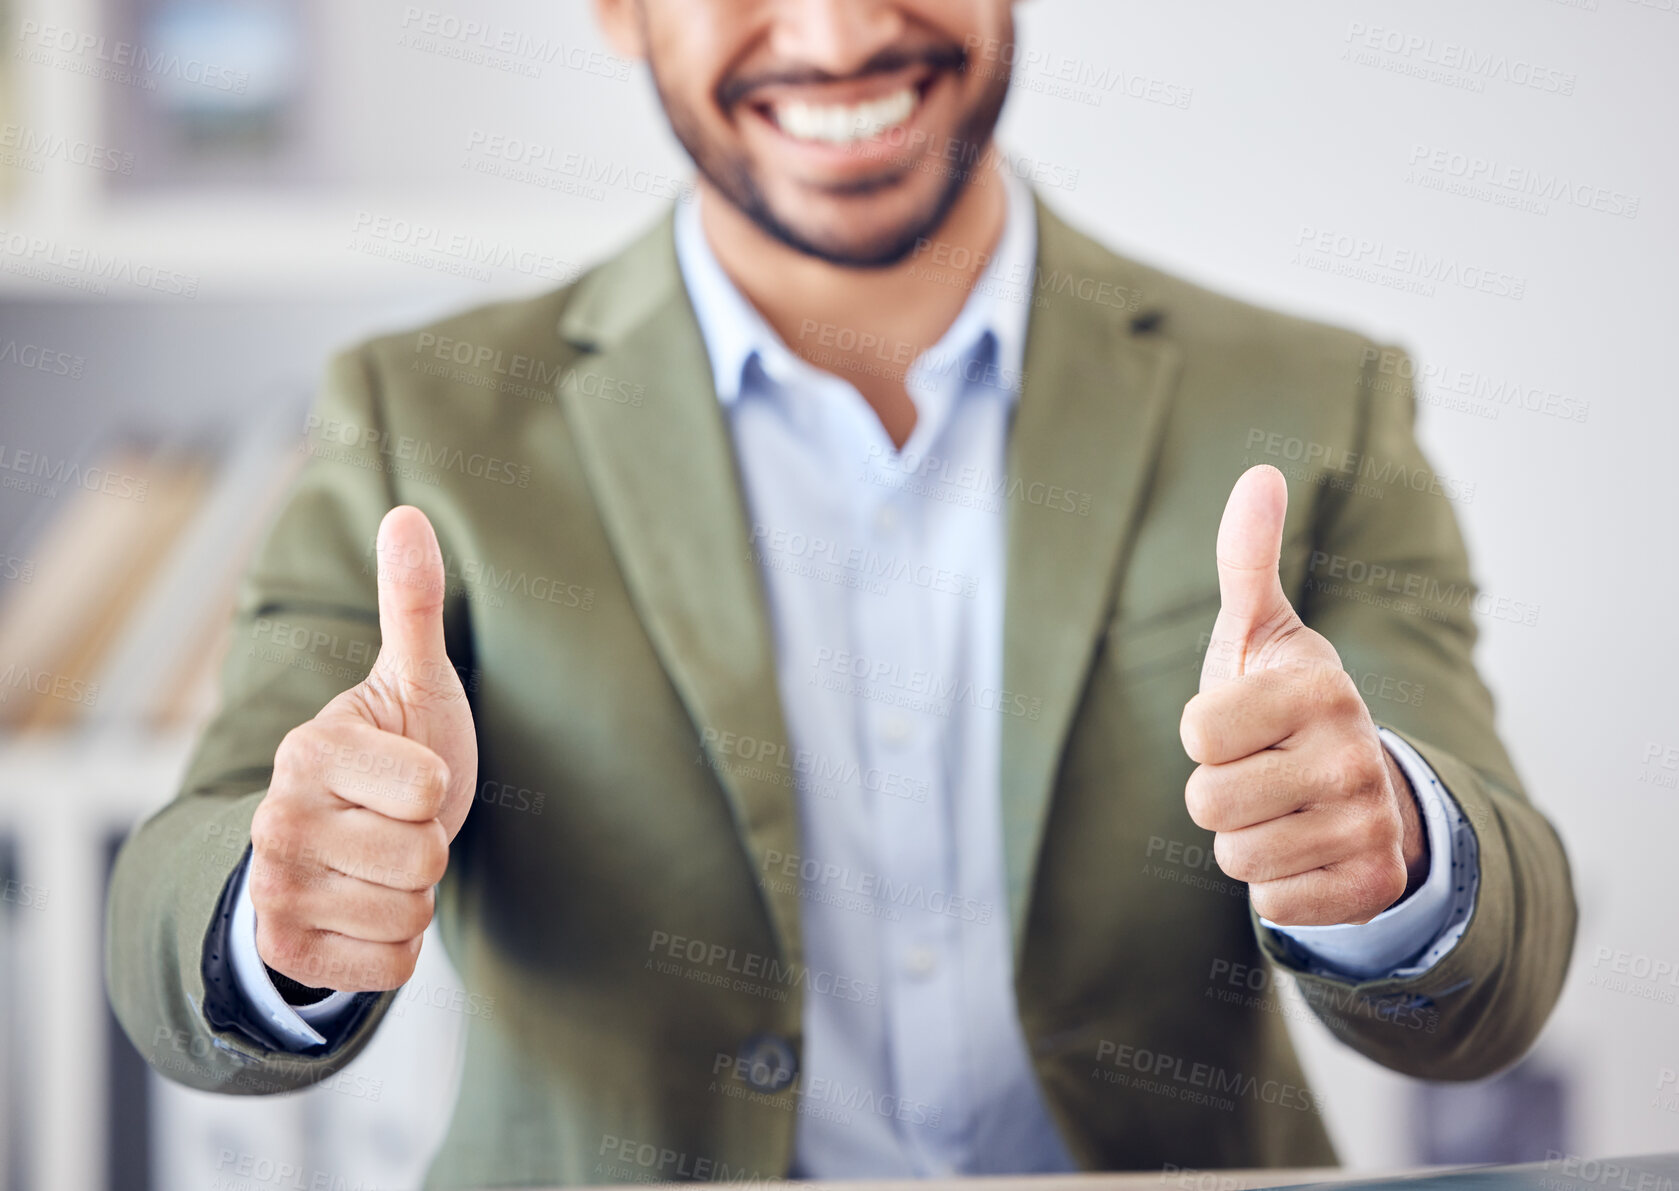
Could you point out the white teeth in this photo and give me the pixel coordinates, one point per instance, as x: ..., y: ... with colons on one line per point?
x: 842, y: 124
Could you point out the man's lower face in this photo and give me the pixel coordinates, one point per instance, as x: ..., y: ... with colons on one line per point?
x: 857, y: 174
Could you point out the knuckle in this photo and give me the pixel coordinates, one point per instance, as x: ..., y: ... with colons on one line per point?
x: 1320, y: 908
x: 285, y: 947
x: 1192, y: 730
x: 395, y: 964
x: 295, y: 754
x: 1338, y: 691
x: 1271, y: 905
x: 335, y: 963
x: 286, y: 758
x: 264, y: 829
x: 1304, y: 775
x: 431, y: 786
x: 272, y: 888
x: 415, y: 913
x: 1361, y: 914
x: 1346, y: 766
x: 431, y: 860
x: 1364, y: 835
x: 1368, y: 773
x: 1374, y: 886
x: 1234, y: 858
x: 440, y: 770
x: 1200, y: 797
x: 1376, y: 835
x: 418, y: 782
x: 1393, y: 881
x: 274, y: 824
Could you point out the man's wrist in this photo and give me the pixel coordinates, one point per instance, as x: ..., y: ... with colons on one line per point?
x: 298, y: 1024
x: 1411, y: 935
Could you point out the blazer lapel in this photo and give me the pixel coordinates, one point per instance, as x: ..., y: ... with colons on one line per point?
x: 663, y: 474
x: 1091, y: 411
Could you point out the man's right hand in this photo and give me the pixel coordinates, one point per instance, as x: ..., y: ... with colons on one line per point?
x: 354, y: 832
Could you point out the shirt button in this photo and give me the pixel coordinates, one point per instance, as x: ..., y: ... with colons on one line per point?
x: 886, y: 519
x: 921, y: 961
x: 766, y: 1063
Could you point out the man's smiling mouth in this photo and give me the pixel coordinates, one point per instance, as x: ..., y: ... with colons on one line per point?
x: 843, y: 123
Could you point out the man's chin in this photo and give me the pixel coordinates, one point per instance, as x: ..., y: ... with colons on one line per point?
x: 863, y: 247
x: 871, y: 230
x: 849, y: 249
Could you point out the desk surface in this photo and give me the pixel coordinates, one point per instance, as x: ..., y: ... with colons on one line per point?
x: 1561, y: 1172
x: 1184, y: 1180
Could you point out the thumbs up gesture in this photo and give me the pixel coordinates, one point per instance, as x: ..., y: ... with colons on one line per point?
x: 1307, y: 806
x: 354, y: 831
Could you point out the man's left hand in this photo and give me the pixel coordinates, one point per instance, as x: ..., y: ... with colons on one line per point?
x: 1308, y: 807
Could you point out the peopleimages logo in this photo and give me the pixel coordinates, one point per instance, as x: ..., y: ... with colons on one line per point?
x: 34, y: 357
x: 30, y: 148
x: 325, y: 434
x: 1520, y: 181
x: 147, y: 65
x: 722, y: 966
x: 1339, y: 459
x: 1439, y: 60
x: 1178, y: 1078
x: 889, y: 681
x: 1400, y: 266
x: 875, y: 887
x: 1610, y: 1175
x: 482, y: 43
x: 45, y: 475
x: 1438, y: 382
x: 1325, y: 568
x: 77, y: 266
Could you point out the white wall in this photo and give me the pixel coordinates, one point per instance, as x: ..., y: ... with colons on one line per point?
x: 1289, y: 125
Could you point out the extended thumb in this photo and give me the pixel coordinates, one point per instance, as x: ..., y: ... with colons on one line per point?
x: 411, y: 586
x: 1251, y: 596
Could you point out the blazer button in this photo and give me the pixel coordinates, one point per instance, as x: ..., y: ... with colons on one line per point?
x: 767, y: 1062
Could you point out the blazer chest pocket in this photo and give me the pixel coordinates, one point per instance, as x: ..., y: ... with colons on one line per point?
x: 1174, y: 637
x: 1161, y: 642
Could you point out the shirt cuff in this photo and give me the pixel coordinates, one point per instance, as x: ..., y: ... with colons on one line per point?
x: 1407, y: 938
x: 298, y: 1026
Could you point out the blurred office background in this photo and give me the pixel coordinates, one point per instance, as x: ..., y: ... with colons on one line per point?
x: 199, y: 200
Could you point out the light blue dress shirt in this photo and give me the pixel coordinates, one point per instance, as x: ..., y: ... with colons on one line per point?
x: 883, y: 570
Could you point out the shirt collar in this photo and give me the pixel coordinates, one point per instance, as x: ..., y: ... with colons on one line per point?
x: 734, y: 331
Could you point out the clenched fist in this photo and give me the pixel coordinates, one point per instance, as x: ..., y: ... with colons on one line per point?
x: 1308, y: 807
x: 354, y: 832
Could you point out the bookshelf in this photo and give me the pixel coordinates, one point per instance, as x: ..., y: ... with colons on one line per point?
x: 64, y: 1132
x: 124, y: 605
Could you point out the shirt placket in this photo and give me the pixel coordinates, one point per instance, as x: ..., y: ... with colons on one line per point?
x: 904, y: 717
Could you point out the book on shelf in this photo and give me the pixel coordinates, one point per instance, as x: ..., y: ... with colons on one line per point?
x: 123, y: 618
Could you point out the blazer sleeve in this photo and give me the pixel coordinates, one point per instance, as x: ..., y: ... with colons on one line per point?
x: 1388, y: 583
x: 305, y: 628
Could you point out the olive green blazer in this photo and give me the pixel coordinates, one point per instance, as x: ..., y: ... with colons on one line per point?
x: 607, y: 615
